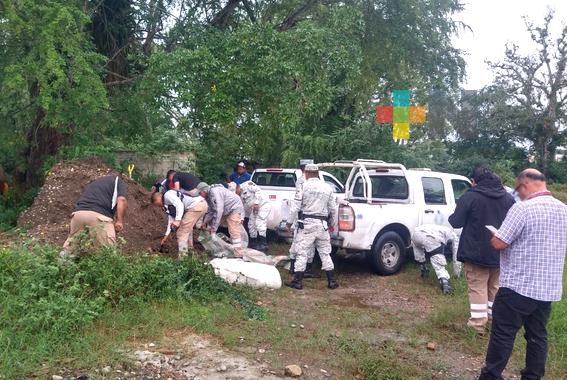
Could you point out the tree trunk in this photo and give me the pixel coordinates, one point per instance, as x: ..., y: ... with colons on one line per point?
x: 112, y: 31
x: 220, y: 20
x: 42, y: 141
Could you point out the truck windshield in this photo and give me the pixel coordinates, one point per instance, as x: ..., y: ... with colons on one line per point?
x: 389, y: 187
x: 274, y: 179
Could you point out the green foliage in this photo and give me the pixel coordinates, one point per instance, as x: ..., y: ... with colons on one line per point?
x: 44, y: 298
x: 50, y: 77
x: 12, y: 204
x: 48, y: 49
x: 559, y: 191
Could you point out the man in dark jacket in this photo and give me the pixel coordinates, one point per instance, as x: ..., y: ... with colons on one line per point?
x: 486, y: 203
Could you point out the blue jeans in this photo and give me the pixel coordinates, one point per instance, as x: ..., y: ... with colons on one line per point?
x: 510, y: 312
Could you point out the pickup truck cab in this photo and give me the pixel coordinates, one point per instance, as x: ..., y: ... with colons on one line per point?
x: 279, y: 185
x: 383, y: 204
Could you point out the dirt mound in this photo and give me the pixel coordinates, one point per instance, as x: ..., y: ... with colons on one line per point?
x: 48, y: 218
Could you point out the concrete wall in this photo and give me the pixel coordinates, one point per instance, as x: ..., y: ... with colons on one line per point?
x: 158, y: 164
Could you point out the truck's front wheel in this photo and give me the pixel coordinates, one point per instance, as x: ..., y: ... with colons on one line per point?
x: 387, y: 254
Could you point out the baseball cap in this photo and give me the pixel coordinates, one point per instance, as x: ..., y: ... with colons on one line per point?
x: 311, y: 168
x: 241, y: 164
x: 203, y: 186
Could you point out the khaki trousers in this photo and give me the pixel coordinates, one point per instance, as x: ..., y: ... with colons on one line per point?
x: 100, y: 227
x: 483, y: 285
x: 234, y: 222
x: 188, y: 222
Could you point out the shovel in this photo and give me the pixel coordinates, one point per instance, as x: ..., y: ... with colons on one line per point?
x: 162, y: 248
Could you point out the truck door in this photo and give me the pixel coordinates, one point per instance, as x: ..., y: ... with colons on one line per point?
x: 436, y: 208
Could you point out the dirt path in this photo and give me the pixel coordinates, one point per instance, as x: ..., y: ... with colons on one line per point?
x: 179, y: 355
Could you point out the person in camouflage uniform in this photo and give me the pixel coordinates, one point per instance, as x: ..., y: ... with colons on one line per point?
x: 258, y: 206
x: 432, y: 240
x: 225, y: 205
x: 315, y: 210
x: 293, y: 249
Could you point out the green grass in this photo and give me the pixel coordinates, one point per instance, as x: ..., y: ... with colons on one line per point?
x: 84, y: 315
x: 559, y: 191
x: 83, y: 312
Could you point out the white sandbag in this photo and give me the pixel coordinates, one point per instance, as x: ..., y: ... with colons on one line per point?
x: 241, y: 272
x: 218, y: 244
x: 255, y: 256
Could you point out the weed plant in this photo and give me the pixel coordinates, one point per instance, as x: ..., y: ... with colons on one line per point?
x: 46, y: 302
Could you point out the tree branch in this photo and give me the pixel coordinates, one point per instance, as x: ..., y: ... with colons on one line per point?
x: 295, y: 16
x: 249, y: 10
x: 220, y: 20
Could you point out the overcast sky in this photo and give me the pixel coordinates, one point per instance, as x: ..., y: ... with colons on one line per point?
x: 494, y: 23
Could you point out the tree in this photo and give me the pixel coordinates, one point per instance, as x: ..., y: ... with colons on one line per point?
x: 538, y: 84
x: 49, y: 77
x: 279, y: 80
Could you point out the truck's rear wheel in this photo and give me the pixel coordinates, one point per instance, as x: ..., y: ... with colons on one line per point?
x: 387, y: 254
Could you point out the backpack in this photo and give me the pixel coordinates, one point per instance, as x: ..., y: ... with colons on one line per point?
x: 170, y: 209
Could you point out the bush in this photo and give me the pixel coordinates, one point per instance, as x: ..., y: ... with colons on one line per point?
x: 12, y: 204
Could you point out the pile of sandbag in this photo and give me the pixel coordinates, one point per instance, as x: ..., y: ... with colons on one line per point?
x: 254, y: 268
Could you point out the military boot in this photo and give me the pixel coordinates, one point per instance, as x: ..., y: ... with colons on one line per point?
x: 332, y: 280
x: 309, y: 272
x: 296, y: 282
x: 424, y: 270
x: 253, y: 243
x: 445, y: 287
x: 262, y: 244
x: 292, y: 266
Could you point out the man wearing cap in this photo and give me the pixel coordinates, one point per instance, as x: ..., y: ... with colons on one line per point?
x: 183, y: 213
x: 293, y: 249
x: 258, y: 206
x: 101, y: 201
x: 318, y: 209
x: 223, y: 205
x: 240, y: 175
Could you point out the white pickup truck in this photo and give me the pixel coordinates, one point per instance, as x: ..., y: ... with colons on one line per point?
x: 383, y: 204
x: 279, y: 185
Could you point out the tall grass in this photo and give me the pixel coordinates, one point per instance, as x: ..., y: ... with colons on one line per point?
x: 46, y: 303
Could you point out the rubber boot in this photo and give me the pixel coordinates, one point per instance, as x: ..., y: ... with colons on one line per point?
x: 309, y: 272
x: 332, y: 280
x: 262, y: 244
x: 252, y: 243
x: 445, y: 287
x: 292, y: 266
x: 296, y: 282
x: 424, y: 270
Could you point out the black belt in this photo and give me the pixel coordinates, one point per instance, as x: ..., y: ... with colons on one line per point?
x: 318, y: 217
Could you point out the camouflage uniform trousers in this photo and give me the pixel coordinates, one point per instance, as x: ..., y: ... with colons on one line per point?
x: 293, y: 248
x: 423, y: 243
x: 313, y: 236
x: 258, y: 221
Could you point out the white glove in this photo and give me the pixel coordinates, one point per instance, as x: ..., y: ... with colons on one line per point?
x: 457, y: 266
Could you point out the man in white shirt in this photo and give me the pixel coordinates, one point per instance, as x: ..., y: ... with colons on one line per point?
x: 183, y: 213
